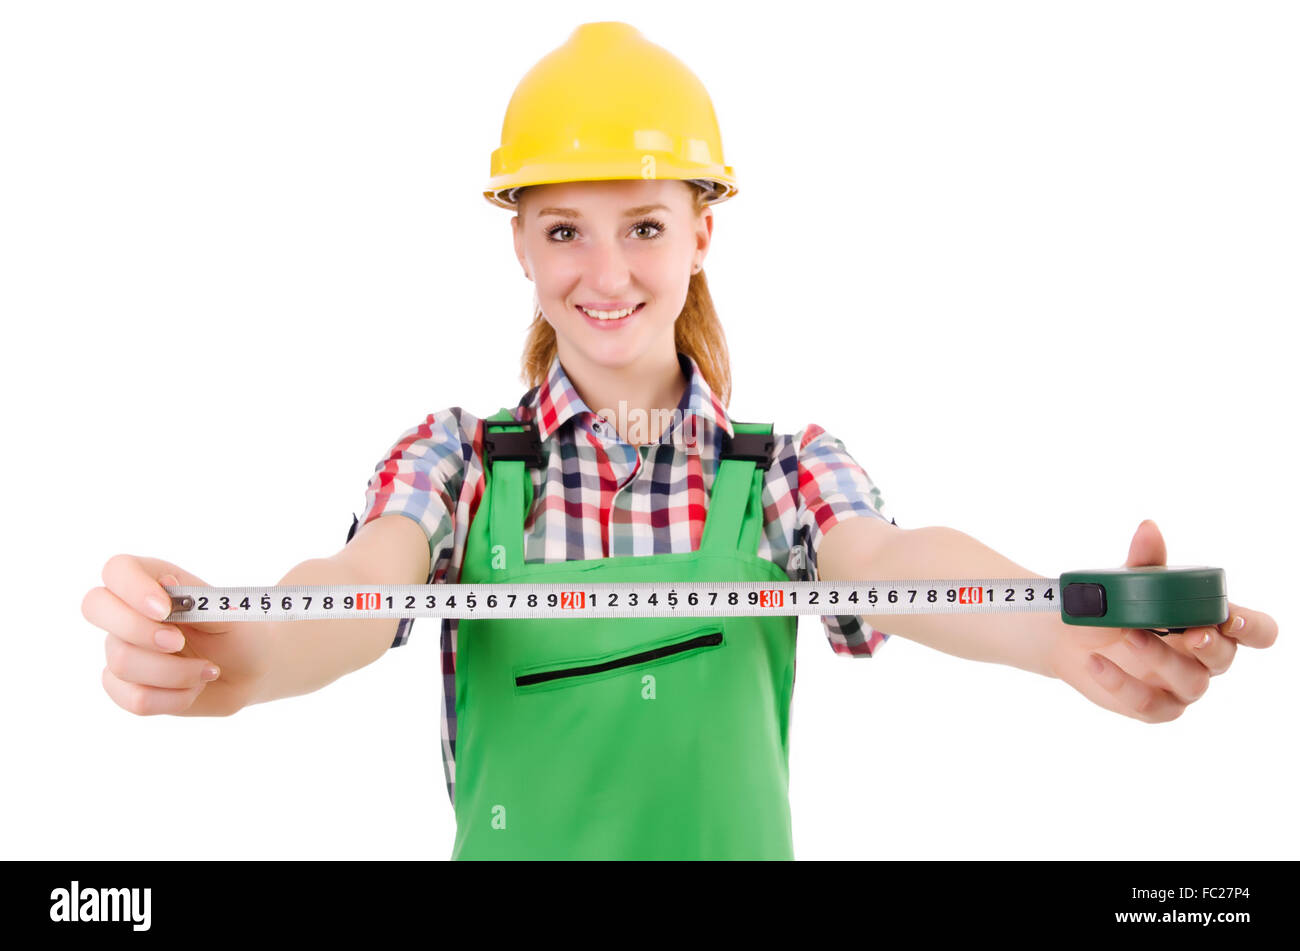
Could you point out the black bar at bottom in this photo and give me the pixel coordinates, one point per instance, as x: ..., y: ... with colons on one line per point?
x: 212, y: 900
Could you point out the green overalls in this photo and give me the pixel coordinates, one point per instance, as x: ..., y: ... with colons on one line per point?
x: 632, y: 738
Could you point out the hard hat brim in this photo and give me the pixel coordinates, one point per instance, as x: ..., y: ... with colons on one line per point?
x: 500, y: 188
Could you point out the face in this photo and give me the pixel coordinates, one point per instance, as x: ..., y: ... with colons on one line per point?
x: 598, y: 249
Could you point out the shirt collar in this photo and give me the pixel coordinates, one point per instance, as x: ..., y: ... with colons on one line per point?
x: 556, y: 401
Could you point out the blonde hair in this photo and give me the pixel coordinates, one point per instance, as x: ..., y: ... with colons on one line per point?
x: 697, y: 333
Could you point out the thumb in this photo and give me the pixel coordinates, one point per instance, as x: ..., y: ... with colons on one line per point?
x: 1147, y: 547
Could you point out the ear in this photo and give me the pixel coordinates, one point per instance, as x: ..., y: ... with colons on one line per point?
x: 518, y: 230
x: 703, y: 234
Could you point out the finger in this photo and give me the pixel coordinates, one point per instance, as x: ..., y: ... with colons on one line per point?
x: 1132, y: 697
x: 147, y: 701
x: 1256, y: 630
x: 1205, y: 645
x: 108, y: 612
x: 149, y: 667
x: 127, y: 577
x: 1148, y: 658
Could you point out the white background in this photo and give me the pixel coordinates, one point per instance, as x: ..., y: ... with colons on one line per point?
x: 1035, y: 263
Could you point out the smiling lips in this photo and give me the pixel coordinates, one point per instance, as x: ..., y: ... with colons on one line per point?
x: 611, y: 315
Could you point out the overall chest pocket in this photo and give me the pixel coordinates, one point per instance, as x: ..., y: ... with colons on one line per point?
x: 583, y: 670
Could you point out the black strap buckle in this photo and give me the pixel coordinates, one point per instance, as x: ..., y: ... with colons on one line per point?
x: 523, y: 446
x: 756, y: 447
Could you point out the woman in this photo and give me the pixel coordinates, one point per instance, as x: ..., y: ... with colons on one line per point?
x: 629, y: 469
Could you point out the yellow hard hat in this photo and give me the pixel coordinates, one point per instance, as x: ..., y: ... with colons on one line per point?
x: 609, y: 104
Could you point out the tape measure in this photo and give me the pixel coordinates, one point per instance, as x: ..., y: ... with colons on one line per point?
x: 1158, y: 598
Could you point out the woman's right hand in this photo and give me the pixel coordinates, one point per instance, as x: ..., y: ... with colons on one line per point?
x: 159, y: 667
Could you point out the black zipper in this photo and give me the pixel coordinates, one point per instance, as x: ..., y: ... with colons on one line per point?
x: 664, y: 650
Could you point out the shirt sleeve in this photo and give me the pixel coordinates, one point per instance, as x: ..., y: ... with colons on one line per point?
x: 421, y: 477
x: 833, y: 487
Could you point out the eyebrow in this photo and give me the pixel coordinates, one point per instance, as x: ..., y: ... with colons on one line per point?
x: 574, y: 213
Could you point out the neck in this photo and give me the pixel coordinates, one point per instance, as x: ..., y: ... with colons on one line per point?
x: 630, y: 397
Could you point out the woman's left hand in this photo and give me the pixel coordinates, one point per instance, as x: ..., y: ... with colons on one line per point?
x: 1148, y: 676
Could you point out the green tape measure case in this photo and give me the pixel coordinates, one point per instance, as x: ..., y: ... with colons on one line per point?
x: 1157, y: 598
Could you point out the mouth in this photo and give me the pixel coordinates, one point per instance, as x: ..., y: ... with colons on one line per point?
x: 610, y: 320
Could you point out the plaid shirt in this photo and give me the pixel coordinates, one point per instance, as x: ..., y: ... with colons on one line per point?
x: 591, y: 499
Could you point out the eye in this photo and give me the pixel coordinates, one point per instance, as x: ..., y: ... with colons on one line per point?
x: 562, y: 226
x: 650, y: 223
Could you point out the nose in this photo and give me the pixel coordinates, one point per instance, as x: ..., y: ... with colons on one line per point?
x: 607, y: 267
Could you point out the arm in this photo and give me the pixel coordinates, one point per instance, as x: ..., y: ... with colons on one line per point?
x: 864, y: 549
x: 307, y: 655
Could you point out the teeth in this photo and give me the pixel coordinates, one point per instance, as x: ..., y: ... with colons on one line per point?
x: 608, y: 314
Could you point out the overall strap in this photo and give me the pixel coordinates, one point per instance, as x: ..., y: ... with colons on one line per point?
x: 735, y: 515
x: 508, y: 446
